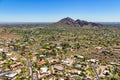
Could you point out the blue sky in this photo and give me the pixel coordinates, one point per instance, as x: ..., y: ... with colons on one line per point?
x: 53, y: 10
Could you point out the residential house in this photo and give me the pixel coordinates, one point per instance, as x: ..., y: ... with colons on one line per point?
x: 74, y: 71
x: 11, y: 75
x: 98, y: 48
x: 14, y: 59
x: 2, y: 62
x: 93, y: 60
x: 42, y: 62
x: 68, y: 61
x: 1, y: 50
x: 79, y: 56
x: 104, y: 70
x: 43, y: 70
x: 53, y: 60
x: 34, y: 59
x: 16, y: 65
x: 58, y: 67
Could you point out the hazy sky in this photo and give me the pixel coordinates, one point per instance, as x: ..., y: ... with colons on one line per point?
x: 53, y: 10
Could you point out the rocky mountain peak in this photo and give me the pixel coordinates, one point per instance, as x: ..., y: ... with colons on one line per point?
x: 76, y: 23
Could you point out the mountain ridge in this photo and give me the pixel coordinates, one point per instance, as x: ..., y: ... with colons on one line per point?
x: 77, y: 23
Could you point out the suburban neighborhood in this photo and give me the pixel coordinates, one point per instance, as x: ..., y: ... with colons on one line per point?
x: 25, y: 59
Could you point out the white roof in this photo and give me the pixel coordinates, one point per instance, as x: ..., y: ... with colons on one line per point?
x: 1, y: 50
x: 92, y: 60
x: 8, y: 54
x: 79, y: 72
x: 14, y: 58
x: 59, y: 47
x: 44, y: 69
x: 62, y: 79
x: 11, y: 75
x: 81, y: 56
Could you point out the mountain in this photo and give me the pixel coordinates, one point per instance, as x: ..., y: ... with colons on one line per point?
x: 77, y: 23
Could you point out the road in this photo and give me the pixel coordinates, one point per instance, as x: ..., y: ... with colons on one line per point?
x: 29, y: 64
x: 95, y: 72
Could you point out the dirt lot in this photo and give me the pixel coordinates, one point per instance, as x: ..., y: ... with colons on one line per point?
x: 5, y: 36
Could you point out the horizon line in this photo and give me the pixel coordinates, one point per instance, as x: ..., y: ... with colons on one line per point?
x: 54, y: 21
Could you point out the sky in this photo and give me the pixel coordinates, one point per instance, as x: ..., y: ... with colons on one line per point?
x: 54, y: 10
